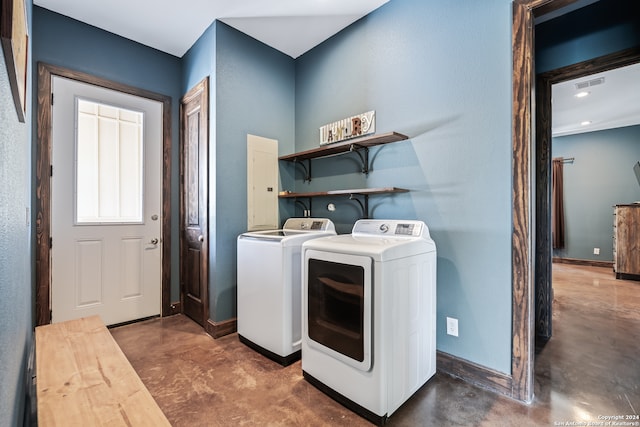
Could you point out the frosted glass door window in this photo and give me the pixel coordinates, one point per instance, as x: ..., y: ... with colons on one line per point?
x: 109, y: 164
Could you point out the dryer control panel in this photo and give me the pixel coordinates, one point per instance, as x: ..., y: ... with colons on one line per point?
x: 391, y: 227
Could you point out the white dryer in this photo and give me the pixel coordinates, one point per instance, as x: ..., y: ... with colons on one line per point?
x: 369, y: 315
x: 269, y: 286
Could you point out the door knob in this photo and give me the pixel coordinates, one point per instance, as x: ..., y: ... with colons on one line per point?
x: 154, y: 241
x: 201, y: 238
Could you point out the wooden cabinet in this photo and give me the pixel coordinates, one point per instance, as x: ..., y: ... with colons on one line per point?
x: 626, y: 241
x: 360, y: 146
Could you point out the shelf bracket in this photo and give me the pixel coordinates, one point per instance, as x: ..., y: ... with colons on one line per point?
x: 355, y: 148
x: 306, y: 168
x: 364, y: 206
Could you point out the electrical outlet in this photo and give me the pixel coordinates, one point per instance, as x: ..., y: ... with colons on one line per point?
x: 596, y: 251
x: 452, y: 326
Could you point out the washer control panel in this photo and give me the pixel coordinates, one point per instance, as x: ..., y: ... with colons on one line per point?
x: 309, y: 224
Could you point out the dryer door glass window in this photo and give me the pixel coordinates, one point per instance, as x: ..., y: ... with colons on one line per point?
x: 336, y: 307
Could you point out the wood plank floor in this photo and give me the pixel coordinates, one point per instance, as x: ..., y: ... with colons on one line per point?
x: 589, y: 368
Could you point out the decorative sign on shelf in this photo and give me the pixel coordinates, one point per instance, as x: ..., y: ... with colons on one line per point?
x: 351, y: 127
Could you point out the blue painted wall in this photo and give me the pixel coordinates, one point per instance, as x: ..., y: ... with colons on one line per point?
x: 601, y: 176
x: 16, y: 294
x: 598, y: 29
x: 252, y: 93
x: 69, y: 43
x: 435, y: 71
x: 410, y: 62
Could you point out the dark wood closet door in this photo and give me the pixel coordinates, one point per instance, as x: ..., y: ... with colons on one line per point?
x: 194, y: 238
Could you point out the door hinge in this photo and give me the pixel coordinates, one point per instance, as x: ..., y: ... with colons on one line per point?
x: 50, y: 242
x: 51, y: 170
x: 51, y: 98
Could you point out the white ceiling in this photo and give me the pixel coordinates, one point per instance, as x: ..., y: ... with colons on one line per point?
x: 613, y: 103
x: 174, y: 26
x: 616, y: 103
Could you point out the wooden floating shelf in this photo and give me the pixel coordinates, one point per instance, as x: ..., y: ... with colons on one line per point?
x: 359, y: 146
x: 345, y: 146
x: 360, y: 195
x: 359, y: 191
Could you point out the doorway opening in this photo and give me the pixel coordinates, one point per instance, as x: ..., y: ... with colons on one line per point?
x: 544, y: 250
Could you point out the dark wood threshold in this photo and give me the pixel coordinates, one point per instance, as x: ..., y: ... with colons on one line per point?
x: 589, y: 262
x: 130, y: 322
x: 475, y: 374
x: 220, y: 329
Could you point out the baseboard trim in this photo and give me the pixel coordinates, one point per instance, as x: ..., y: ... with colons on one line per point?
x: 220, y: 329
x: 589, y: 262
x: 174, y: 308
x: 627, y: 276
x: 31, y: 389
x: 475, y: 374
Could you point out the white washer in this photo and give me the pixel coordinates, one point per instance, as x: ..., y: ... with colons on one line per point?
x: 369, y: 307
x: 269, y: 286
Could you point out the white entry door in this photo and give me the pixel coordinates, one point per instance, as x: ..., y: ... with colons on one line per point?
x: 106, y: 204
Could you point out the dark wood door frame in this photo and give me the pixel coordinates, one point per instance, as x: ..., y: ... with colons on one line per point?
x: 520, y: 382
x: 43, y: 183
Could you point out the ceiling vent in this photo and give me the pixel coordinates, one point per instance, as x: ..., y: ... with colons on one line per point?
x: 588, y: 83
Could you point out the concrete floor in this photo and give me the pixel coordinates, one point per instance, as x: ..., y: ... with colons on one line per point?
x: 589, y: 369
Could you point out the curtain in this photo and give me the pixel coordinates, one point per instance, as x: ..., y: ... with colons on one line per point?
x: 557, y: 204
